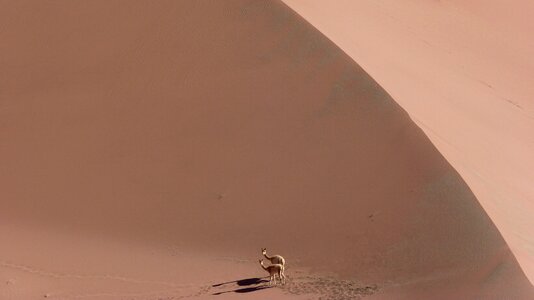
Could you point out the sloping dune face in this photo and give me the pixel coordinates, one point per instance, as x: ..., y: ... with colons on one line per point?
x: 463, y: 70
x: 225, y: 126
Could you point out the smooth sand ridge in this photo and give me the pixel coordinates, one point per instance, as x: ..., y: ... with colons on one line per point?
x: 140, y: 139
x: 463, y: 71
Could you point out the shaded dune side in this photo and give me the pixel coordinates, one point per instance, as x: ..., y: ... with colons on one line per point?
x: 219, y: 125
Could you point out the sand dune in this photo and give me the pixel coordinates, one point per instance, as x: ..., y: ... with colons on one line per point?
x: 150, y: 149
x: 462, y: 70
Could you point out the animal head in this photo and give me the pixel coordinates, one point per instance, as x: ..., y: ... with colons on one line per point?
x: 263, y: 250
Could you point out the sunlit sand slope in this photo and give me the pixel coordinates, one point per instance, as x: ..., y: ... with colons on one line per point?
x: 150, y: 149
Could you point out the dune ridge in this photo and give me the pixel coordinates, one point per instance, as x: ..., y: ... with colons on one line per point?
x: 151, y: 149
x: 461, y: 70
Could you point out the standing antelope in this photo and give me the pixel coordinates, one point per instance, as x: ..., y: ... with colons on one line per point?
x: 274, y: 270
x: 275, y: 259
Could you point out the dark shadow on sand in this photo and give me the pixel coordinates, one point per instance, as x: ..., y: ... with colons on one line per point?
x: 245, y: 290
x: 245, y: 282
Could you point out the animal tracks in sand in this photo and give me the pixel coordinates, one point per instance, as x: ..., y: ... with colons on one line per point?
x: 298, y: 283
x: 316, y: 287
x: 327, y: 288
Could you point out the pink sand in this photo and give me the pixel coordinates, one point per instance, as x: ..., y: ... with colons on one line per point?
x: 464, y: 72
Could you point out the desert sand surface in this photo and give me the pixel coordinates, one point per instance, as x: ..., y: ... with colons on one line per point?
x: 463, y: 71
x: 149, y: 150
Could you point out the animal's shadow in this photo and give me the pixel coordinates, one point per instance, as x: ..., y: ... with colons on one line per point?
x: 247, y: 285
